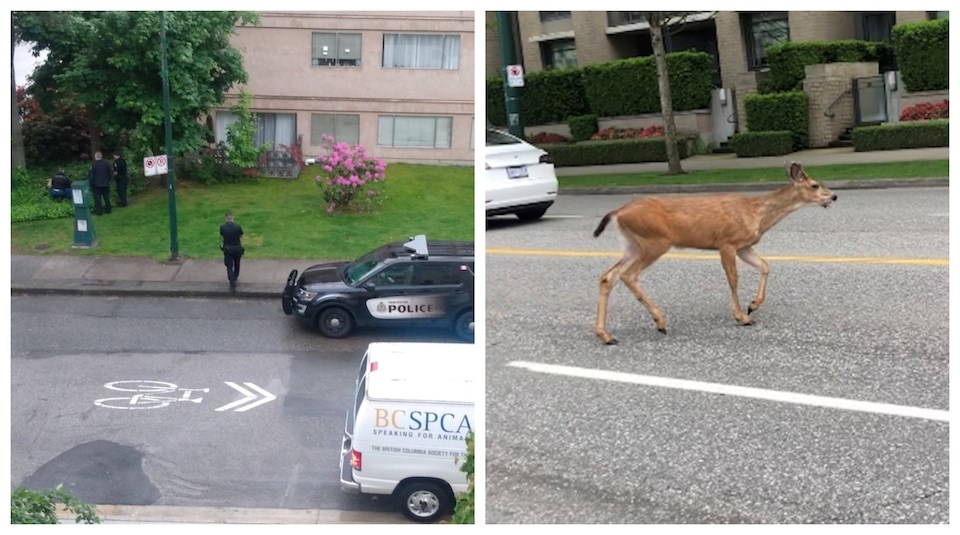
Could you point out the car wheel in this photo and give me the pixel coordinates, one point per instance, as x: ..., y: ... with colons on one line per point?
x: 531, y: 214
x: 465, y: 326
x: 287, y: 300
x: 334, y: 322
x: 423, y: 501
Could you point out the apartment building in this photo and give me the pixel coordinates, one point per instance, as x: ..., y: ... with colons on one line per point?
x: 399, y: 83
x: 736, y: 40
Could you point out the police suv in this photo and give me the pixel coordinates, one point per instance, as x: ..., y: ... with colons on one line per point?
x: 400, y: 283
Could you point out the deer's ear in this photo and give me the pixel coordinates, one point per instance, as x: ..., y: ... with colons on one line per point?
x: 795, y: 172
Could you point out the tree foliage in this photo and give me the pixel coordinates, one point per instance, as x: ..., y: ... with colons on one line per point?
x: 108, y: 64
x: 40, y: 507
x: 465, y: 507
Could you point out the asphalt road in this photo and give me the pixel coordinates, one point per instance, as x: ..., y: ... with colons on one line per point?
x: 576, y: 444
x: 280, y: 454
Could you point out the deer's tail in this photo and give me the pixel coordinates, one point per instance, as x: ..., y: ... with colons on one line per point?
x: 602, y: 225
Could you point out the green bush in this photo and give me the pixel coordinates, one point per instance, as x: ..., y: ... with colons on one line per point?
x: 30, y: 198
x: 612, y: 151
x: 496, y: 106
x: 583, y: 127
x: 753, y: 144
x: 908, y: 135
x: 551, y: 96
x: 779, y: 111
x: 630, y: 86
x: 923, y: 54
x: 40, y: 507
x: 787, y: 60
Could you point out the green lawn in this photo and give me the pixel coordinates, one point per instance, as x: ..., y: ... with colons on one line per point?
x: 921, y: 169
x: 280, y: 218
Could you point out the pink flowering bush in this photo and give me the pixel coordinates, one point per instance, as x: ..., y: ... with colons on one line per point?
x: 348, y: 177
x: 629, y: 133
x: 926, y: 112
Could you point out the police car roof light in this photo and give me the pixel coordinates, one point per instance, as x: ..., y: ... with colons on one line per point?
x: 419, y: 245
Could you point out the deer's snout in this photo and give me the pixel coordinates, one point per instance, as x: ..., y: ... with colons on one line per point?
x: 834, y: 197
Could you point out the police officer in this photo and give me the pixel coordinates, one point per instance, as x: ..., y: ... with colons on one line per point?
x: 120, y: 176
x: 100, y: 184
x: 230, y: 233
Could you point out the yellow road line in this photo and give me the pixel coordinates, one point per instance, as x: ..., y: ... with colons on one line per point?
x: 715, y: 256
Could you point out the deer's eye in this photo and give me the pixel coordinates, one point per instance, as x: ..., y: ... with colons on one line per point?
x: 815, y: 186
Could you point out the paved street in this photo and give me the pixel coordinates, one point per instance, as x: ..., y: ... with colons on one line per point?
x: 856, y: 314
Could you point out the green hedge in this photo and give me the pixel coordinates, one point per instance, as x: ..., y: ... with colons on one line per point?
x: 907, y: 135
x: 583, y: 127
x: 612, y: 151
x: 923, y: 54
x: 779, y: 111
x: 630, y: 86
x: 753, y: 144
x: 552, y: 96
x: 787, y: 60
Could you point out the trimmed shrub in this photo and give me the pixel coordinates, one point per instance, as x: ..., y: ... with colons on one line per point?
x: 923, y: 54
x: 926, y: 111
x: 779, y: 111
x: 552, y: 96
x: 583, y: 127
x: 787, y: 60
x: 655, y: 130
x: 753, y: 144
x: 610, y: 152
x: 541, y: 138
x: 630, y: 86
x: 496, y: 107
x: 908, y: 135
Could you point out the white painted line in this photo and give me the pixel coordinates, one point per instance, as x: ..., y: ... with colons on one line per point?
x: 267, y: 396
x: 564, y: 216
x: 243, y: 391
x: 741, y: 391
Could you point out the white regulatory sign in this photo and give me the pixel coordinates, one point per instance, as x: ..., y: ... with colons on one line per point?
x: 515, y: 75
x: 149, y: 166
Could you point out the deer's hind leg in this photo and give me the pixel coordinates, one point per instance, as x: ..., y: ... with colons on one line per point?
x: 649, y: 252
x: 607, y: 282
x: 750, y: 256
x: 728, y: 257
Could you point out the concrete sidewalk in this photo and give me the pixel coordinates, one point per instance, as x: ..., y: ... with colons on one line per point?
x: 159, y: 514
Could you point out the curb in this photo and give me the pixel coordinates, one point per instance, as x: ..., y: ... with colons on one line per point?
x: 878, y: 183
x: 136, y: 514
x: 145, y: 289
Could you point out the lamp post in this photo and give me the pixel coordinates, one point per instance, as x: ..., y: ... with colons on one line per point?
x: 168, y: 140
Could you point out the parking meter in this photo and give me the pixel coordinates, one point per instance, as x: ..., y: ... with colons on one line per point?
x: 84, y: 235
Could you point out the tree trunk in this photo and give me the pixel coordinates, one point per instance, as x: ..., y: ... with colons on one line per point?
x: 95, y: 134
x: 18, y: 157
x: 657, y: 22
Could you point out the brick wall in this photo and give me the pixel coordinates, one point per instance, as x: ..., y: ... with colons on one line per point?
x: 821, y: 25
x: 830, y: 97
x: 590, y: 33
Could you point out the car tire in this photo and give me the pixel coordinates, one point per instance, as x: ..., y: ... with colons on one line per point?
x: 464, y: 326
x: 334, y: 322
x: 531, y: 214
x: 423, y: 501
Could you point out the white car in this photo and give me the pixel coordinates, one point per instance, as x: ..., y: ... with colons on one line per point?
x: 520, y: 177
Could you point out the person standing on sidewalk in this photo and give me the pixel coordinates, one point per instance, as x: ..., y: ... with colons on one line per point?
x: 230, y: 233
x: 100, y: 184
x: 120, y: 176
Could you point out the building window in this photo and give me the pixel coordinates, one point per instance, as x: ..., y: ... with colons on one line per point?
x: 343, y: 128
x: 548, y: 16
x: 762, y: 30
x: 336, y: 49
x: 559, y: 53
x: 407, y: 51
x: 876, y: 26
x: 932, y: 15
x: 275, y: 129
x: 414, y: 131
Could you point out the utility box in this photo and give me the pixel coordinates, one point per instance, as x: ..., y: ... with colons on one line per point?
x: 84, y: 235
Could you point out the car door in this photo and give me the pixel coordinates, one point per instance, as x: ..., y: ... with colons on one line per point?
x: 388, y: 294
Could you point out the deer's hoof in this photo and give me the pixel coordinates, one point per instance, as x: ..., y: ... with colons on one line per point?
x: 750, y: 309
x: 611, y: 342
x: 662, y: 329
x: 746, y: 323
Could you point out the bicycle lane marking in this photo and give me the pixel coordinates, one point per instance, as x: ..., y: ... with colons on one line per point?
x: 149, y: 394
x: 733, y: 390
x: 714, y: 256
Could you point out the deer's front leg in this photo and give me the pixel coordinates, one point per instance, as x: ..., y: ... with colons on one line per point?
x: 750, y: 256
x: 728, y: 258
x: 607, y: 282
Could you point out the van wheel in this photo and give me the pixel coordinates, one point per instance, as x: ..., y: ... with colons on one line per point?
x: 465, y: 326
x: 423, y: 501
x: 335, y: 322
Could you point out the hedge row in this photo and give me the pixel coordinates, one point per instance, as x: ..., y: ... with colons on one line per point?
x: 908, y: 135
x: 753, y: 144
x: 923, y: 54
x: 622, y: 87
x: 779, y: 111
x: 787, y: 60
x: 612, y: 151
x: 583, y: 127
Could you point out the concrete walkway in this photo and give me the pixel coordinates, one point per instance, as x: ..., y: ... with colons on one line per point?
x: 160, y: 514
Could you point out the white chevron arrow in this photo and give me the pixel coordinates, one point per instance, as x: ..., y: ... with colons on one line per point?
x: 267, y: 397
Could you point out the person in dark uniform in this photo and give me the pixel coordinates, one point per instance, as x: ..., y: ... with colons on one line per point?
x: 120, y: 176
x: 230, y: 233
x: 100, y: 184
x: 60, y: 186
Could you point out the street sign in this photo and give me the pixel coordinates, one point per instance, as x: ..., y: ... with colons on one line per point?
x: 149, y: 166
x: 162, y: 164
x: 514, y: 75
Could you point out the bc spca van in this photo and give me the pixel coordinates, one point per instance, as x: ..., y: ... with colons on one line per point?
x: 406, y: 430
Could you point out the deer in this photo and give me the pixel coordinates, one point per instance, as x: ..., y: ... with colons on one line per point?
x: 730, y: 224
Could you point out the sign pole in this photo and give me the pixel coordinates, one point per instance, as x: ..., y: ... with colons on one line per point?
x: 168, y: 141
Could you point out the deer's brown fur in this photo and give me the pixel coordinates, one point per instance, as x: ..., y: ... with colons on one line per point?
x: 730, y: 224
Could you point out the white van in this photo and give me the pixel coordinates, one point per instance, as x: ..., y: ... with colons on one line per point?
x: 406, y: 431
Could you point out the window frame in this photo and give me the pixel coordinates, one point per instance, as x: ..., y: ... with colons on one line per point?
x: 337, y: 60
x: 750, y: 46
x: 548, y: 52
x: 459, y: 41
x: 336, y: 136
x: 393, y: 128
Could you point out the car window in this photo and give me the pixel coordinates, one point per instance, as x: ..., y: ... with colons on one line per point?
x: 495, y: 137
x: 435, y: 274
x: 395, y: 275
x: 359, y: 268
